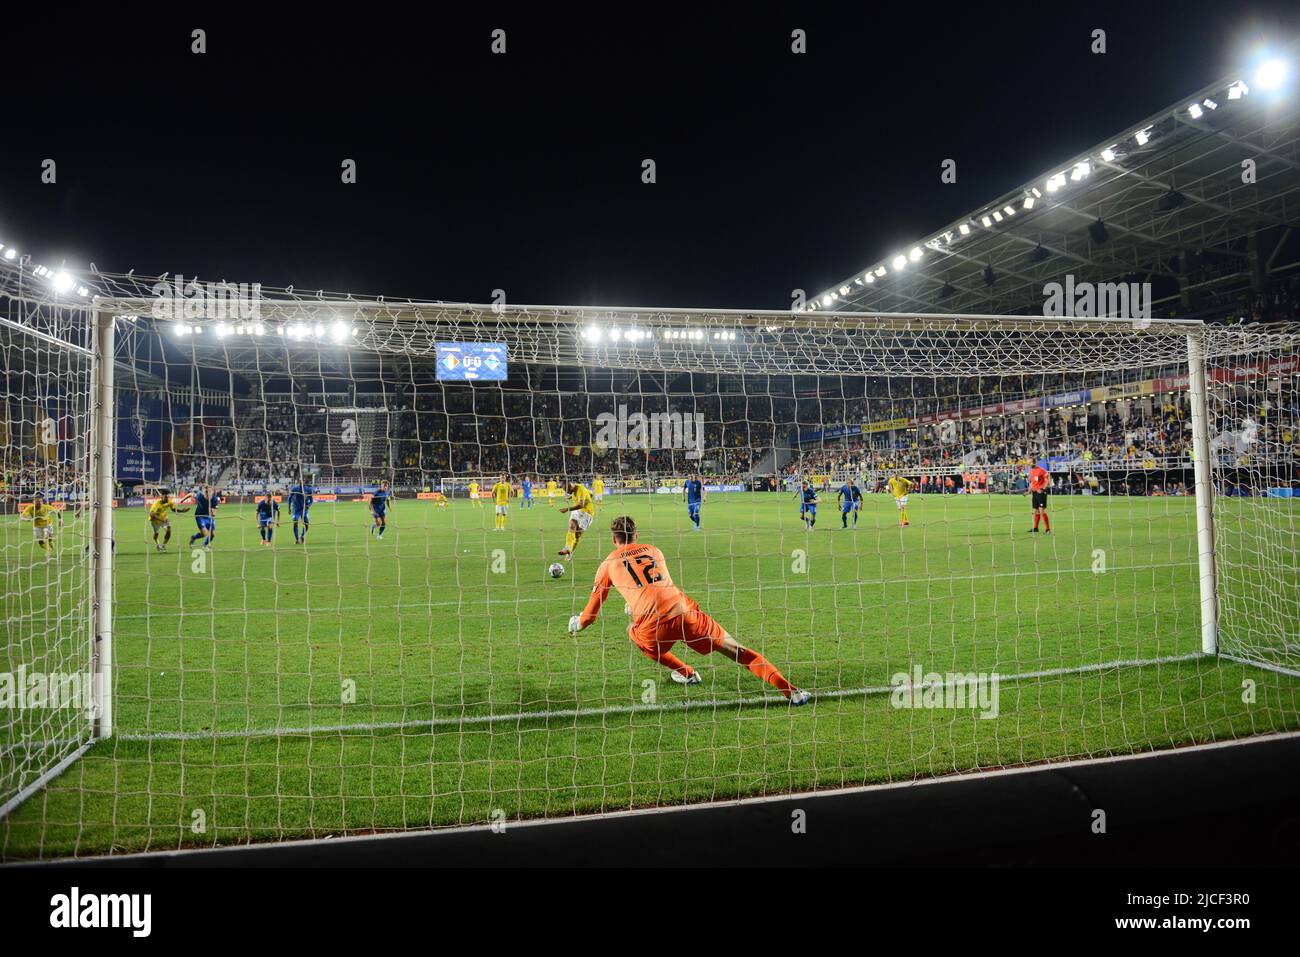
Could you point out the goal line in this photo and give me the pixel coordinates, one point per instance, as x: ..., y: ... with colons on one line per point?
x: 712, y: 704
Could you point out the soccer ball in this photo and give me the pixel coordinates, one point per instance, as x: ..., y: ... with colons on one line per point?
x: 557, y: 570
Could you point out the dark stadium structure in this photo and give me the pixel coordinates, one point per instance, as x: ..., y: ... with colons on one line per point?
x: 1201, y: 199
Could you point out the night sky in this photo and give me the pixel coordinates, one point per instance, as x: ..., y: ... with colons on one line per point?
x: 523, y: 171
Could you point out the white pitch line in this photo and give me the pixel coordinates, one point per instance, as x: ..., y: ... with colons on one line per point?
x: 719, y: 589
x: 1266, y: 665
x: 559, y: 714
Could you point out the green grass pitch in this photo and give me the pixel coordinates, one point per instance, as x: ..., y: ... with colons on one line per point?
x: 355, y: 685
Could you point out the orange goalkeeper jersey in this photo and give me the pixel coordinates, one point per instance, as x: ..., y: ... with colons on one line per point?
x: 640, y: 574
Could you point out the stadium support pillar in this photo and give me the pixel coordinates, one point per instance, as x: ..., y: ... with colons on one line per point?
x: 1204, y: 469
x: 102, y: 461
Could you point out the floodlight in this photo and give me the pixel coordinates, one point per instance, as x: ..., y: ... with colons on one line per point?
x: 1272, y: 74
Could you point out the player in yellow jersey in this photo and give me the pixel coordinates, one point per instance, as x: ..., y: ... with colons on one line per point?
x: 160, y: 520
x: 899, y: 487
x: 501, y: 496
x: 598, y: 490
x: 473, y: 495
x: 440, y: 500
x: 582, y: 509
x: 550, y: 491
x: 42, y: 516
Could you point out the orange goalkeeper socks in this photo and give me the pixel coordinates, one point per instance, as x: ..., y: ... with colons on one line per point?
x: 765, y: 670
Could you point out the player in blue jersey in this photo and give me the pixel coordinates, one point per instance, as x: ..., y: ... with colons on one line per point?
x: 206, y: 500
x: 380, y: 502
x: 526, y: 492
x: 850, y: 499
x: 268, y: 517
x: 808, y: 504
x: 301, y: 497
x: 695, y: 495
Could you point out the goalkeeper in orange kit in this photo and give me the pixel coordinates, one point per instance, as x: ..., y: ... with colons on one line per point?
x: 662, y: 615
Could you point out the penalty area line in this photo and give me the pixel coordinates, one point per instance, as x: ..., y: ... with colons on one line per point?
x: 416, y: 607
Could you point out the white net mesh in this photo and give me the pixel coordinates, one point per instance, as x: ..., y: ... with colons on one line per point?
x: 45, y: 586
x: 317, y: 670
x: 1254, y: 404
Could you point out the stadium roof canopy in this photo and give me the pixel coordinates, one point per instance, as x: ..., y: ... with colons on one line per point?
x: 1168, y: 193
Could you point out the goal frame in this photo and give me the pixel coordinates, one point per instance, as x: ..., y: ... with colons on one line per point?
x: 1203, y: 470
x: 103, y: 459
x: 106, y: 311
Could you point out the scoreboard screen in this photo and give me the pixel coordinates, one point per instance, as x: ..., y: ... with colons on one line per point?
x: 471, y: 361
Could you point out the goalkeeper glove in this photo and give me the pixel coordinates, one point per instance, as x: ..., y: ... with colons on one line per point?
x: 575, y: 625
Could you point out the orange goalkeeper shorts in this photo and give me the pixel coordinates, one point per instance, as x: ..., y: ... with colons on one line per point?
x: 658, y: 635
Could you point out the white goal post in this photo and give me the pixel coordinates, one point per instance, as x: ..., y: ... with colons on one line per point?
x: 1202, y: 465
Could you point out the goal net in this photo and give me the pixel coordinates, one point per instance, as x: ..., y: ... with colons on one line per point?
x: 1253, y: 380
x: 1016, y: 577
x: 46, y: 700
